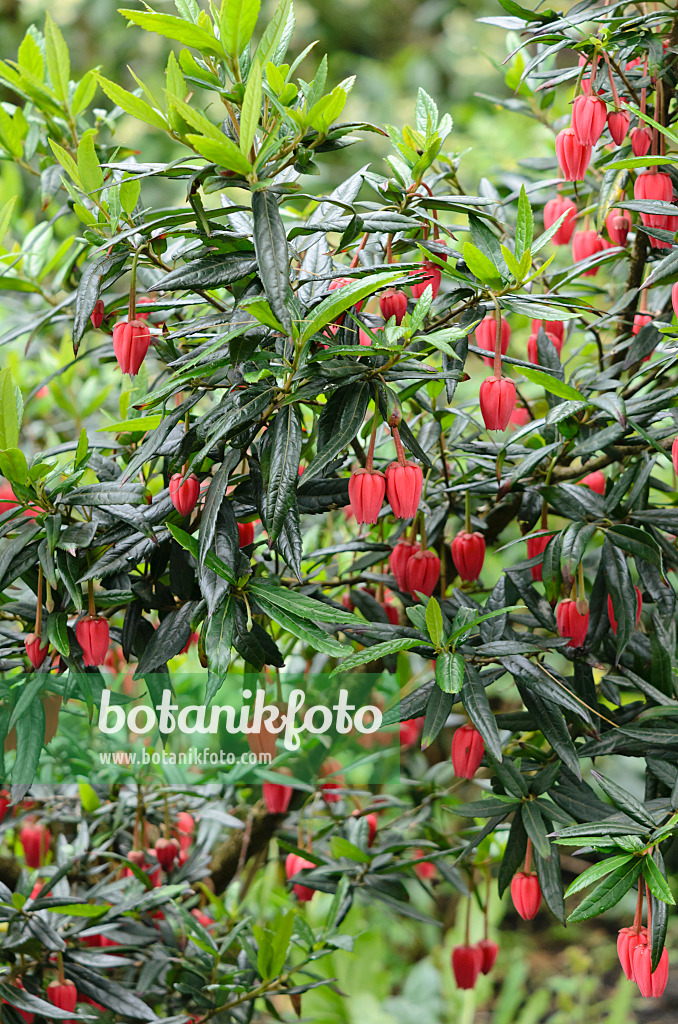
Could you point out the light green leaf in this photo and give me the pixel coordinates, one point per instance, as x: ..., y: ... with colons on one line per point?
x: 251, y: 109
x: 89, y: 170
x: 237, y: 20
x: 131, y: 104
x: 222, y: 152
x: 552, y: 384
x: 176, y: 28
x: 58, y: 60
x: 434, y: 622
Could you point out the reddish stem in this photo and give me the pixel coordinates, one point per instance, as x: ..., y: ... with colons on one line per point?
x: 497, y: 342
x: 638, y: 919
x: 369, y: 461
x: 528, y: 857
x: 400, y: 451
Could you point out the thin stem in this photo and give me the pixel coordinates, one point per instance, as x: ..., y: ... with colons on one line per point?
x: 497, y: 337
x: 60, y: 968
x: 468, y: 922
x: 638, y: 919
x: 91, y: 607
x: 400, y: 451
x: 373, y: 437
x: 613, y: 87
x: 133, y: 287
x: 528, y: 857
x: 38, y: 610
x: 422, y: 531
x: 467, y: 513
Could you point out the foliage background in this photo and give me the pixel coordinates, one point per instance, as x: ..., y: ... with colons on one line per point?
x: 399, y: 972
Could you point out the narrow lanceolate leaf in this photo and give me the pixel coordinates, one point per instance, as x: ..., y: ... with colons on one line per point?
x: 524, y: 224
x: 656, y: 882
x: 597, y: 871
x: 437, y: 710
x: 306, y: 631
x: 270, y: 246
x: 535, y: 828
x: 475, y: 701
x: 301, y: 606
x: 343, y: 298
x: 132, y: 104
x: 622, y: 592
x: 285, y: 453
x: 250, y: 110
x: 58, y: 60
x: 609, y: 892
x: 339, y: 422
x: 237, y: 21
x: 218, y: 640
x: 450, y: 672
x: 30, y: 738
x: 434, y: 621
x: 176, y: 28
x: 377, y: 651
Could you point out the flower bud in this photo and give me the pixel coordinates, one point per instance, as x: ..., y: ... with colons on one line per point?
x: 131, y: 340
x: 618, y: 225
x: 468, y: 554
x: 584, y: 245
x: 36, y: 649
x: 486, y: 335
x: 618, y: 122
x: 489, y: 950
x: 573, y: 156
x: 589, y: 114
x: 467, y: 962
x: 393, y: 303
x: 537, y: 546
x: 553, y: 211
x: 184, y: 492
x: 526, y: 895
x: 93, y: 635
x: 98, y: 313
x: 468, y: 748
x: 426, y: 869
x: 167, y: 851
x: 432, y: 277
x: 641, y: 140
x: 403, y: 488
x: 245, y: 534
x: 610, y: 609
x: 398, y: 559
x: 572, y: 623
x: 366, y: 490
x: 497, y: 402
x: 422, y: 573
x: 293, y: 864
x: 63, y: 994
x: 35, y: 841
x: 639, y: 321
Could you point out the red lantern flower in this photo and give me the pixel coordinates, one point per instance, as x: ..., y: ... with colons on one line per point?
x: 167, y: 851
x: 398, y: 559
x: 596, y: 481
x: 674, y: 454
x: 404, y: 483
x: 526, y: 895
x: 497, y: 401
x: 468, y: 554
x: 553, y: 211
x: 98, y: 313
x: 422, y: 573
x: 63, y: 994
x: 432, y: 276
x: 573, y: 156
x: 277, y: 797
x: 467, y: 962
x: 641, y: 140
x: 489, y: 950
x: 589, y: 114
x: 293, y: 865
x: 639, y: 321
x: 486, y: 335
x: 651, y: 984
x: 468, y: 748
x: 409, y: 732
x: 532, y: 350
x: 366, y: 490
x: 571, y: 623
x: 185, y: 829
x: 610, y: 610
x: 537, y: 546
x: 93, y: 635
x: 393, y: 303
x: 131, y: 340
x: 554, y: 327
x: 584, y: 245
x: 627, y: 940
x: 618, y: 122
x: 618, y: 225
x: 425, y: 870
x: 184, y: 492
x: 35, y: 841
x: 245, y: 534
x: 36, y: 649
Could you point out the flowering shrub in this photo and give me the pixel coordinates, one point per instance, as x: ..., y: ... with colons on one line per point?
x: 291, y: 342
